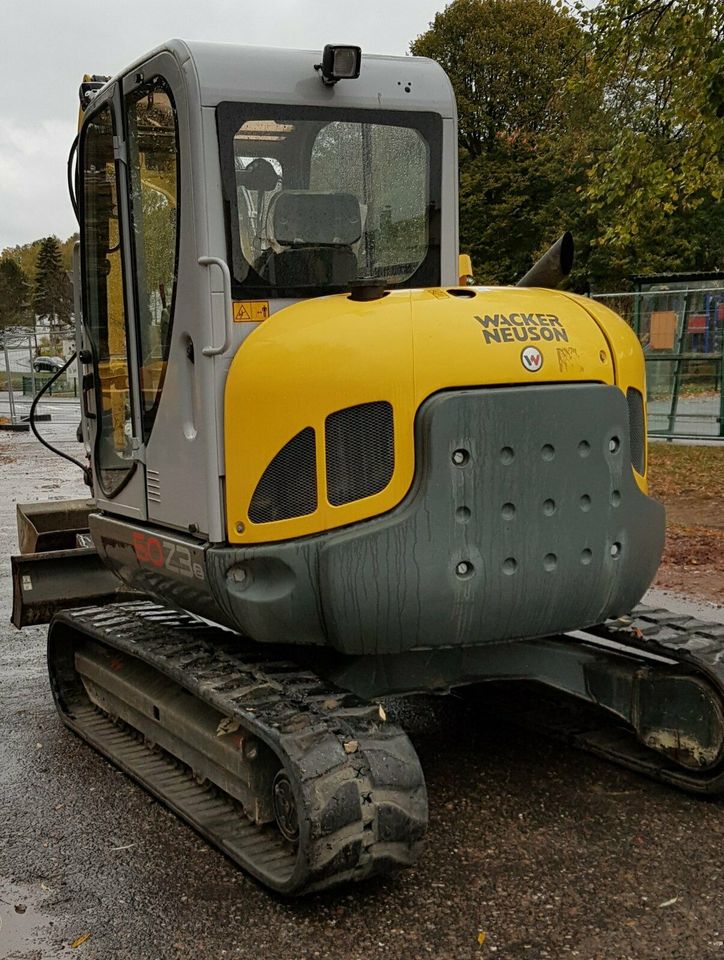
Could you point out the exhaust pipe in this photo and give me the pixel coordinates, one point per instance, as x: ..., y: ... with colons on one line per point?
x: 553, y: 266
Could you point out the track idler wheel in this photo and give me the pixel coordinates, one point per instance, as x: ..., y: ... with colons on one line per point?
x: 285, y: 807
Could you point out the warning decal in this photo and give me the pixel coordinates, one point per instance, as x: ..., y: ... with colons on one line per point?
x: 250, y: 311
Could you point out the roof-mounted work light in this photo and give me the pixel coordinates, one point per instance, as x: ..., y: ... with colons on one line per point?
x: 339, y: 63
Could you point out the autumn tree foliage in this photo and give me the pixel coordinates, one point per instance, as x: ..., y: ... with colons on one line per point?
x: 655, y: 157
x: 605, y: 121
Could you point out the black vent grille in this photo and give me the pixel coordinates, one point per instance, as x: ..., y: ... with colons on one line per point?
x: 288, y: 486
x: 360, y: 451
x: 637, y: 432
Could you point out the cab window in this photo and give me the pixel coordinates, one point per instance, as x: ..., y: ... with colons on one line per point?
x: 104, y: 306
x: 322, y: 200
x: 153, y: 199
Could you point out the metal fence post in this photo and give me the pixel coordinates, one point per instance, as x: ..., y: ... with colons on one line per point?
x: 11, y: 397
x: 677, y: 365
x: 32, y: 368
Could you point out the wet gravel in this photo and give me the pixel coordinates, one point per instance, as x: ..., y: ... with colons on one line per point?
x: 548, y: 852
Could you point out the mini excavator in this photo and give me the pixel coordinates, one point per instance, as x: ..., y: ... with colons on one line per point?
x: 325, y: 472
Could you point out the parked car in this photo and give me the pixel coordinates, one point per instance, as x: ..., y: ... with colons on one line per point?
x: 47, y: 364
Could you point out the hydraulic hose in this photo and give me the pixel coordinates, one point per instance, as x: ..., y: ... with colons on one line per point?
x: 33, y: 427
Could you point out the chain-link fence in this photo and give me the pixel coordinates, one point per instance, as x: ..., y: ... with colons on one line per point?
x: 682, y: 333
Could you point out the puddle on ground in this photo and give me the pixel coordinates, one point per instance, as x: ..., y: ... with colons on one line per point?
x: 26, y: 933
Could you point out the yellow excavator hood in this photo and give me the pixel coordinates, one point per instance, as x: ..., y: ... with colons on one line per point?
x: 317, y: 357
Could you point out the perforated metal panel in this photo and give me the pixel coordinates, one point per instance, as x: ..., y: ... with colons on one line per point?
x: 637, y: 433
x: 288, y: 486
x: 360, y: 451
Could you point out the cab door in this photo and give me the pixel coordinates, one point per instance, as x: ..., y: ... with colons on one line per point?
x: 111, y: 392
x: 180, y: 383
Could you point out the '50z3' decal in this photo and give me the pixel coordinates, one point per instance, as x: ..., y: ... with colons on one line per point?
x: 174, y: 557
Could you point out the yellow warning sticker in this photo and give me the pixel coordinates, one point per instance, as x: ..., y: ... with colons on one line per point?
x: 250, y: 311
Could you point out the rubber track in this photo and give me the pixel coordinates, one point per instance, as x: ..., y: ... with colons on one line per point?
x: 698, y: 645
x: 360, y: 791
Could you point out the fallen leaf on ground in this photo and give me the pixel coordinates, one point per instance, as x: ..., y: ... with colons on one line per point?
x: 79, y: 941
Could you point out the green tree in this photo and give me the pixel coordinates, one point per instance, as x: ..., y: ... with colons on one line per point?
x: 510, y: 62
x: 506, y: 60
x: 14, y: 293
x: 52, y: 294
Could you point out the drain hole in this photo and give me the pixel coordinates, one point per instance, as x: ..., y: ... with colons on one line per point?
x: 506, y: 455
x: 508, y: 511
x: 510, y: 566
x: 584, y: 448
x: 586, y: 557
x: 615, y: 550
x: 615, y: 498
x: 464, y: 569
x: 550, y: 561
x: 614, y: 445
x: 585, y: 502
x: 548, y: 452
x: 462, y: 514
x: 460, y: 457
x: 549, y: 507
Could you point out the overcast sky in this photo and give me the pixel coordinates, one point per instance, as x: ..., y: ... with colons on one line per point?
x: 47, y: 47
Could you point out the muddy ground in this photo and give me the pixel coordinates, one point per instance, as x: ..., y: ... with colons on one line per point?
x: 535, y: 849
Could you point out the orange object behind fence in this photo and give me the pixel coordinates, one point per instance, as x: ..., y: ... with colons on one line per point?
x: 662, y: 330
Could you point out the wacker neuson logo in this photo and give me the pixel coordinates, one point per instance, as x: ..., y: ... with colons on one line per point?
x: 521, y: 327
x: 532, y: 359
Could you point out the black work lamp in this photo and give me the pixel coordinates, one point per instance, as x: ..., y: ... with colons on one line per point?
x: 339, y: 63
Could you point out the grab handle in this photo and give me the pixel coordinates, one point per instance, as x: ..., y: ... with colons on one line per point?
x: 228, y: 307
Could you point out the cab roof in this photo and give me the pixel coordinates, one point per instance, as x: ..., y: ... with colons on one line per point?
x: 230, y: 71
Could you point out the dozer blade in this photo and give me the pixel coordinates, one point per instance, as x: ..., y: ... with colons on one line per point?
x: 52, y: 525
x: 300, y: 783
x: 44, y: 583
x: 58, y: 566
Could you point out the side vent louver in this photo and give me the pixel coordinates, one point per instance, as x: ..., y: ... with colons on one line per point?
x: 153, y: 485
x: 637, y: 434
x: 288, y: 486
x: 360, y: 451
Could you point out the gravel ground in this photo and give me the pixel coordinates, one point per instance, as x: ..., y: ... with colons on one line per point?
x: 548, y: 852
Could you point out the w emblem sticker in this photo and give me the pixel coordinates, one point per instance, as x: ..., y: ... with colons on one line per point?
x: 532, y: 359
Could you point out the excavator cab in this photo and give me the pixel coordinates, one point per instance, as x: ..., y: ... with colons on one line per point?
x: 210, y: 199
x: 325, y: 472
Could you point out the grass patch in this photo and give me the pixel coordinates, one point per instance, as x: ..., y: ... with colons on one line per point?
x: 676, y: 470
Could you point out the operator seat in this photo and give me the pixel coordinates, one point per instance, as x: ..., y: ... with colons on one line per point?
x: 311, y: 238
